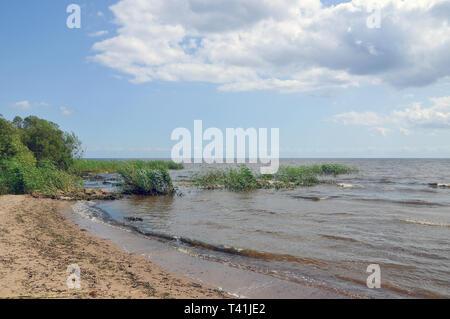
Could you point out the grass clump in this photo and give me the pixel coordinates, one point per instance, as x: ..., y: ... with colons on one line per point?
x: 144, y: 181
x: 18, y: 177
x: 243, y: 179
x: 82, y: 167
x: 333, y: 169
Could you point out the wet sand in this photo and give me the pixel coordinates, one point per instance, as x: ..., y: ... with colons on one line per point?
x: 37, y: 244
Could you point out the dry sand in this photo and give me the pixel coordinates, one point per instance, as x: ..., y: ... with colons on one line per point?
x: 37, y: 244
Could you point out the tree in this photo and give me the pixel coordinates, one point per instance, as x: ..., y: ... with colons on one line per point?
x: 11, y: 145
x: 47, y: 141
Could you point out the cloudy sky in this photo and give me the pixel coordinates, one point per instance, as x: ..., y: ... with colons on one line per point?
x: 338, y: 78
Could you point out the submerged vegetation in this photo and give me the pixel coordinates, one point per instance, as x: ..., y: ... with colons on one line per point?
x: 243, y: 179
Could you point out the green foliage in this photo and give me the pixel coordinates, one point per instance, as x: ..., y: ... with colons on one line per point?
x: 333, y: 169
x: 146, y: 181
x: 298, y: 176
x: 11, y: 145
x: 17, y: 177
x: 48, y: 142
x: 242, y: 179
x: 210, y: 180
x: 51, y: 180
x: 21, y: 172
x: 81, y: 167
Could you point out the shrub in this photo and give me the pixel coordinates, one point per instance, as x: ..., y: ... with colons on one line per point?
x: 241, y: 179
x: 51, y: 181
x: 47, y: 142
x: 146, y: 181
x: 298, y: 176
x: 19, y: 177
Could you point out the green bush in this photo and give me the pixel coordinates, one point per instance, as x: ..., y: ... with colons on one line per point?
x: 146, y: 181
x: 18, y: 177
x: 241, y: 179
x: 298, y: 176
x: 47, y: 142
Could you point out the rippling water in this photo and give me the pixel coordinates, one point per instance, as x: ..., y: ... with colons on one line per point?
x: 394, y: 212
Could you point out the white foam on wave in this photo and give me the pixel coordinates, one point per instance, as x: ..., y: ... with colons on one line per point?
x: 424, y: 222
x: 87, y: 210
x: 344, y: 185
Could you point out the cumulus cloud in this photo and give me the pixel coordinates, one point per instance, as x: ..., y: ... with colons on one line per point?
x: 362, y: 119
x: 98, y: 33
x: 285, y: 45
x: 436, y: 116
x: 65, y: 110
x: 23, y: 105
x: 27, y: 105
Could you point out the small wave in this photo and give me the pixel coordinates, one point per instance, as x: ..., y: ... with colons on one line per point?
x: 423, y: 222
x: 344, y: 185
x: 417, y: 202
x: 89, y: 211
x: 257, y: 211
x: 439, y: 185
x: 347, y: 239
x: 339, y: 214
x: 256, y: 254
x: 313, y: 198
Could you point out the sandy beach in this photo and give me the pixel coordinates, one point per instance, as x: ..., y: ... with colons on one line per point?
x: 37, y: 244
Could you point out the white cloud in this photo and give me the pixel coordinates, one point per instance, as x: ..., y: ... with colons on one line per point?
x: 27, y: 105
x: 65, y: 110
x: 23, y: 105
x: 363, y: 119
x: 435, y: 116
x: 285, y: 45
x: 98, y: 33
x: 382, y: 130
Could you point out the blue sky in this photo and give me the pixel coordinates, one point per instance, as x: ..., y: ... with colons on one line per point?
x: 123, y: 82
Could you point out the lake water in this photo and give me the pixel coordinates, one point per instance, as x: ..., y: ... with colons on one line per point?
x: 393, y: 212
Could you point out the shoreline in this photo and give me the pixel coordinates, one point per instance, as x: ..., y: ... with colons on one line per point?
x: 38, y: 243
x: 235, y: 280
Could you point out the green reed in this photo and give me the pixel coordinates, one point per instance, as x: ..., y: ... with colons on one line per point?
x: 243, y: 179
x: 83, y: 166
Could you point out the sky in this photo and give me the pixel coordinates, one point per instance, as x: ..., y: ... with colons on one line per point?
x: 334, y: 79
